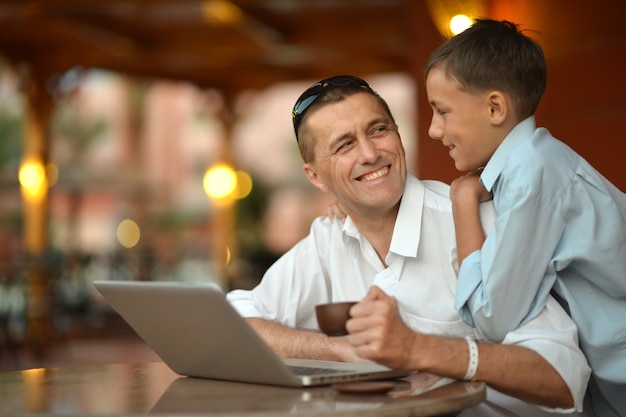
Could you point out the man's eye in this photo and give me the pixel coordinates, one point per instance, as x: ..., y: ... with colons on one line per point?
x: 380, y: 130
x: 441, y: 112
x: 344, y: 145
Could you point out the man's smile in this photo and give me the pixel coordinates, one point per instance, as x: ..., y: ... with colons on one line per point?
x: 373, y: 175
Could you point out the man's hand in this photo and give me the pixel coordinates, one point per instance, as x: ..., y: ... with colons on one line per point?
x: 378, y: 333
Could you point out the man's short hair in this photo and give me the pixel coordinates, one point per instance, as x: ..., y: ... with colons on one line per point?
x: 329, y: 90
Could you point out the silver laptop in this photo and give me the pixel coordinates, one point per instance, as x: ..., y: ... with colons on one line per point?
x: 196, y: 332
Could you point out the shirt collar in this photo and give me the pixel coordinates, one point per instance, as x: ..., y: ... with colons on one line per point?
x: 407, y: 230
x: 492, y: 170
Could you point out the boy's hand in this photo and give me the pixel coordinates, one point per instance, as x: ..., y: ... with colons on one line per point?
x: 466, y: 193
x: 334, y: 210
x: 469, y: 187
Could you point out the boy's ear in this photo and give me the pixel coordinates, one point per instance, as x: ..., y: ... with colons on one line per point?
x: 498, y: 106
x: 313, y: 177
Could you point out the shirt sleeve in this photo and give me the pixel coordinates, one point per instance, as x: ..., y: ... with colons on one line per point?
x: 554, y: 336
x: 506, y: 283
x: 292, y: 286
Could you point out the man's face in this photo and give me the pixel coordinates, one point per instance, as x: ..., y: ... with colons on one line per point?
x: 359, y: 156
x: 461, y: 121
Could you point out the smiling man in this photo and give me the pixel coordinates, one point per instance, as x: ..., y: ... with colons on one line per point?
x: 396, y: 253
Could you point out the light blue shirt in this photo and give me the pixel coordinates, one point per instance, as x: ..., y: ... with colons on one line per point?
x: 559, y: 224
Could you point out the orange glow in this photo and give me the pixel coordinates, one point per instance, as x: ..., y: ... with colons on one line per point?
x: 33, y: 179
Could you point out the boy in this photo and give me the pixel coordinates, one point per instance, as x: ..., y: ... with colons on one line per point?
x: 560, y: 224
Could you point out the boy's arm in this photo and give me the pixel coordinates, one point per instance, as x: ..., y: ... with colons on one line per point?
x: 505, y: 280
x: 466, y: 194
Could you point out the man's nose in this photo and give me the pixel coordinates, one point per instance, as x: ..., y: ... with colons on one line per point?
x: 368, y: 150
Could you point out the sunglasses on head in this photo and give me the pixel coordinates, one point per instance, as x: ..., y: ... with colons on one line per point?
x: 312, y: 93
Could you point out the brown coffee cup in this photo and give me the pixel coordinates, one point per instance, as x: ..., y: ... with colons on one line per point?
x: 332, y: 317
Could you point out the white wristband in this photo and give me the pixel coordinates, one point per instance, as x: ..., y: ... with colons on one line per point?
x: 472, y: 365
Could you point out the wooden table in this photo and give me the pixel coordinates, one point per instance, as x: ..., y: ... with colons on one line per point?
x: 152, y: 388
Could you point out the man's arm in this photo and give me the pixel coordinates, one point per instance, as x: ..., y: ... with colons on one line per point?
x: 513, y: 370
x: 293, y: 343
x: 378, y: 333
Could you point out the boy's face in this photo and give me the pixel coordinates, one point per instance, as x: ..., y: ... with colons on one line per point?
x: 359, y: 156
x: 462, y: 121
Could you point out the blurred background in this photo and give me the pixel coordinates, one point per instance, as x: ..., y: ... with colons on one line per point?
x: 152, y: 139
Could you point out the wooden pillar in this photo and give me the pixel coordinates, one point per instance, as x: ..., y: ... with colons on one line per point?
x: 138, y: 191
x: 223, y: 243
x: 34, y: 186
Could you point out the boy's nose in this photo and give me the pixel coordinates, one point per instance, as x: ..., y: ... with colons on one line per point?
x: 435, y: 131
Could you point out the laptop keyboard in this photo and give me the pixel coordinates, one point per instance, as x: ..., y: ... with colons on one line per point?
x: 307, y: 370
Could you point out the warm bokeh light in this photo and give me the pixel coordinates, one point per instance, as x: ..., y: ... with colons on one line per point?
x: 244, y: 185
x: 34, y: 373
x: 459, y: 23
x: 228, y: 256
x: 221, y: 12
x: 52, y: 173
x: 128, y: 233
x: 220, y: 181
x: 32, y: 177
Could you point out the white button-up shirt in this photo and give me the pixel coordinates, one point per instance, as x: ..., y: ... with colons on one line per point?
x: 336, y: 263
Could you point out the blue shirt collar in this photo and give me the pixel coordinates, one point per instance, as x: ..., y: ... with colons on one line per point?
x: 493, y: 169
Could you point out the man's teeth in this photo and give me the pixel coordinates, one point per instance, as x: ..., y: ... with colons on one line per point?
x: 374, y: 175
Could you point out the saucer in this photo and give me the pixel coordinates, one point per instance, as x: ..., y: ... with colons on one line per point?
x: 364, y: 387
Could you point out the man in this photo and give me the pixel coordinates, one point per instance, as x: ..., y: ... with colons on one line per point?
x: 395, y: 251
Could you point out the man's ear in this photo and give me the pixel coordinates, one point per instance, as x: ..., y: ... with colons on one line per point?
x: 314, y: 178
x: 498, y: 106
